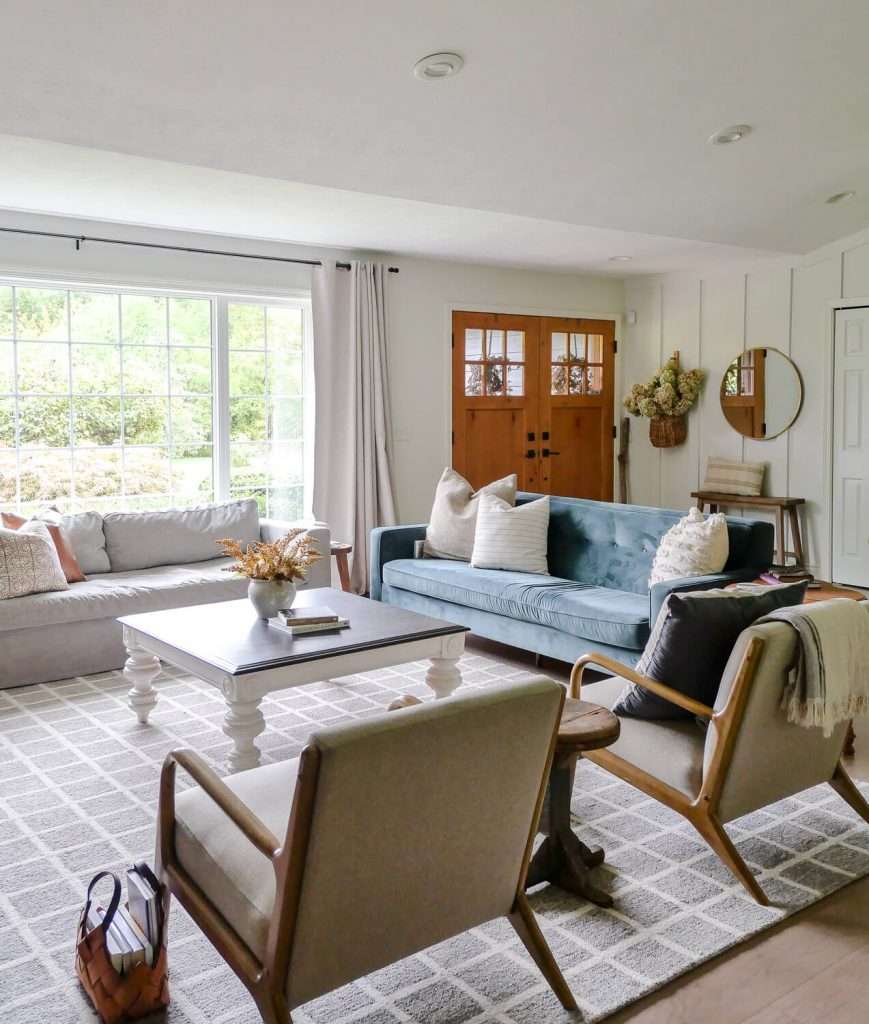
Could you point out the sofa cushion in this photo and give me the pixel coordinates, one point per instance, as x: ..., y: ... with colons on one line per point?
x: 125, y: 593
x: 672, y: 751
x: 595, y: 613
x: 140, y: 540
x: 85, y: 533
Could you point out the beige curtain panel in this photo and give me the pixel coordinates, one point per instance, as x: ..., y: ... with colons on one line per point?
x: 352, y: 445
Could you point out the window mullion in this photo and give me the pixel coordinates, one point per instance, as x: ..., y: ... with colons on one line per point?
x: 220, y: 385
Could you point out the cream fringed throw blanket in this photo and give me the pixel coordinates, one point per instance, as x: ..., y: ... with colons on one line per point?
x: 829, y: 681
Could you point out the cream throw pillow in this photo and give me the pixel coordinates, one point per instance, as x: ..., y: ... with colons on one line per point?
x: 450, y: 532
x: 695, y: 546
x: 511, y: 537
x: 29, y: 563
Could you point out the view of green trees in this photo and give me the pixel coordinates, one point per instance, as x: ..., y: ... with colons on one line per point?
x: 108, y: 400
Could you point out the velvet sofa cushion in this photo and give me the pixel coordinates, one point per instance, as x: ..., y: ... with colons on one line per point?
x: 604, y: 615
x: 613, y: 546
x: 691, y: 642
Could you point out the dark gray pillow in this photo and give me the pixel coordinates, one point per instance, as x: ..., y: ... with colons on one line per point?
x: 691, y: 642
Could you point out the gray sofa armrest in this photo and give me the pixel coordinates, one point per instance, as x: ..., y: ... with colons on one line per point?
x: 320, y: 573
x: 387, y: 544
x: 659, y: 592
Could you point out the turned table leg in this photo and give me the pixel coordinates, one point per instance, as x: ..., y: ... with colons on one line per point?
x: 140, y: 670
x: 242, y: 723
x: 443, y: 675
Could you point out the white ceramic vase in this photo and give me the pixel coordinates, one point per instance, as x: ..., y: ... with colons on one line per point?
x: 269, y: 596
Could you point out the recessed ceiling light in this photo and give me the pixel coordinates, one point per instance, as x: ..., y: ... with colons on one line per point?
x: 732, y: 134
x: 438, y: 65
x: 841, y: 197
x: 620, y: 259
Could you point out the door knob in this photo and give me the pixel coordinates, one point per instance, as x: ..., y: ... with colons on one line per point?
x: 547, y: 452
x: 530, y: 454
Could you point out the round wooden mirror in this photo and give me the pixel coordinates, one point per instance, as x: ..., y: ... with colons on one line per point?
x: 761, y: 393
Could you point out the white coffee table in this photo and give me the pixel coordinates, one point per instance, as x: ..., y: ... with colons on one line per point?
x: 226, y: 645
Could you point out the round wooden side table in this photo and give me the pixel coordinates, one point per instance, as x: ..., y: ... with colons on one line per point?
x: 562, y: 858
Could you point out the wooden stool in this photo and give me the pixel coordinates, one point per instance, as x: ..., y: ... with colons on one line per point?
x: 339, y: 550
x: 562, y: 858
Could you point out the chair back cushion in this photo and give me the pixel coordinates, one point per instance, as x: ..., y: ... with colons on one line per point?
x: 772, y: 758
x: 420, y: 823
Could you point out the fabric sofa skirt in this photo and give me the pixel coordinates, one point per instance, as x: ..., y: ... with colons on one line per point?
x: 529, y: 636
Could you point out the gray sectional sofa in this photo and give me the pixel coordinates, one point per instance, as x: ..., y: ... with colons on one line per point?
x: 597, y: 597
x: 135, y: 562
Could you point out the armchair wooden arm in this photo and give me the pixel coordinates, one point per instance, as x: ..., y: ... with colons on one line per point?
x: 616, y: 668
x: 247, y: 822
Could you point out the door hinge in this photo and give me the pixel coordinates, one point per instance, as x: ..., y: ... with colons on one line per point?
x: 453, y: 340
x: 615, y: 347
x: 453, y: 437
x: 615, y: 431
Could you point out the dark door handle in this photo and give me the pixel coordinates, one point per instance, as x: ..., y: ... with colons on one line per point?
x: 547, y: 452
x: 530, y: 454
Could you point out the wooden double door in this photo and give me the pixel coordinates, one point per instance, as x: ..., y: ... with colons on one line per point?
x: 533, y: 395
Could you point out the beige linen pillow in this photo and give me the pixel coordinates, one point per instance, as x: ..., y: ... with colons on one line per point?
x: 512, y: 538
x: 29, y: 563
x: 727, y: 476
x: 450, y: 532
x: 695, y: 546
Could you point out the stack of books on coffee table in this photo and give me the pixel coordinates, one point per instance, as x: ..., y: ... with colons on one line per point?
x: 305, y: 621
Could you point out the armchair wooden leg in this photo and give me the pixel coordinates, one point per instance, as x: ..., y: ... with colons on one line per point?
x: 844, y: 786
x: 273, y: 1008
x: 526, y: 927
x: 712, y: 831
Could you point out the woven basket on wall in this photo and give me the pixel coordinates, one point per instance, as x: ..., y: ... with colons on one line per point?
x: 667, y: 431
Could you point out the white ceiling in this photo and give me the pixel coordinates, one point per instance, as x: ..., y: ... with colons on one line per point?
x: 576, y: 131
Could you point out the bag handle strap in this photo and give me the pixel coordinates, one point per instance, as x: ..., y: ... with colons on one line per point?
x: 114, y: 902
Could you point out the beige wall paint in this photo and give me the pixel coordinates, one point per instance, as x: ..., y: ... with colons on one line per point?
x: 419, y: 301
x: 785, y: 304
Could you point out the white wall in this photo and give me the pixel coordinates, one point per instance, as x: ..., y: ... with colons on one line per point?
x: 420, y: 298
x: 785, y: 304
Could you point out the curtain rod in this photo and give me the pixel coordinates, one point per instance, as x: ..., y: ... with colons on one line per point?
x: 80, y: 239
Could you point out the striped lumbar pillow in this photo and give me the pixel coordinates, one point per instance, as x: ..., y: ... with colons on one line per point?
x: 510, y: 537
x: 727, y: 476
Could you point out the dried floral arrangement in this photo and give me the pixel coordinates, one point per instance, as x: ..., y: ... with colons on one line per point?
x: 284, y: 560
x: 671, y: 392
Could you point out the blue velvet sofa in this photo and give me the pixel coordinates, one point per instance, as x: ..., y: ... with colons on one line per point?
x: 597, y: 597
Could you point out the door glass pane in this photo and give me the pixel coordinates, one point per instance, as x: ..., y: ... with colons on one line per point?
x: 577, y: 346
x: 495, y: 379
x: 559, y: 349
x: 595, y: 348
x: 559, y: 380
x: 594, y: 379
x: 473, y: 379
x: 576, y: 379
x: 515, y: 380
x: 516, y: 346
x: 473, y: 343
x: 495, y: 344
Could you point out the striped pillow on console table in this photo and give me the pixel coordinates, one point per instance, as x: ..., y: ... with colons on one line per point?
x: 726, y: 476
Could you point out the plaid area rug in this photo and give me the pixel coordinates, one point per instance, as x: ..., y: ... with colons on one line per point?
x: 78, y: 789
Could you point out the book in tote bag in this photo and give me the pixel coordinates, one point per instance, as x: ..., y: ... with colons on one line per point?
x: 117, y: 997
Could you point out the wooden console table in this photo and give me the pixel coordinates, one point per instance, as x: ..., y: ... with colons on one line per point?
x: 782, y: 507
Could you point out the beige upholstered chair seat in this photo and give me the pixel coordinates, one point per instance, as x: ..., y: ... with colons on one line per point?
x: 238, y: 881
x: 671, y: 751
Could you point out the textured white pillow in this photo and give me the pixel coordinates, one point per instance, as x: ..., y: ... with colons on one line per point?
x: 511, y: 537
x: 29, y: 563
x: 450, y: 532
x: 695, y: 546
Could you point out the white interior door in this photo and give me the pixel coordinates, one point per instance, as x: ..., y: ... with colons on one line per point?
x: 851, y: 448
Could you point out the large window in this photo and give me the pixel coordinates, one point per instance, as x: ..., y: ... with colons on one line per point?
x: 122, y: 399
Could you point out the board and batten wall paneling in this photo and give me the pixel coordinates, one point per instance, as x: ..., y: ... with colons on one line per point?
x: 782, y: 303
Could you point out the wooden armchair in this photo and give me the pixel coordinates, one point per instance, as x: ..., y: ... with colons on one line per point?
x: 386, y: 836
x: 749, y: 757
